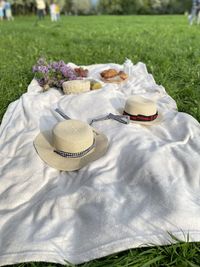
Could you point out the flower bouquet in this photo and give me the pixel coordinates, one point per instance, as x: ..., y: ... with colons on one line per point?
x: 54, y: 74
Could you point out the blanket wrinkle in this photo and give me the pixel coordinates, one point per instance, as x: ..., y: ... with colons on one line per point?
x: 145, y: 186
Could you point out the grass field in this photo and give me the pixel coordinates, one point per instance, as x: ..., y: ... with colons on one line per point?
x: 166, y: 44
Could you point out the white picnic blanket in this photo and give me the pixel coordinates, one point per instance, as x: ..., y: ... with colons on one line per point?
x: 147, y: 184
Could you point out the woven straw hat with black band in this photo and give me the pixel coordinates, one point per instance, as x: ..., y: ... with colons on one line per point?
x: 70, y: 145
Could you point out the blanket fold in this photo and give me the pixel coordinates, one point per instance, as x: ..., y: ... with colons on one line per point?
x: 146, y: 185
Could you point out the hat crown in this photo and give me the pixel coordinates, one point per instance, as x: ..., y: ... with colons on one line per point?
x: 137, y: 105
x: 72, y: 136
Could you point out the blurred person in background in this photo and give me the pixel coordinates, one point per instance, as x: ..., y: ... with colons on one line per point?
x: 195, y: 13
x: 40, y: 4
x: 53, y: 11
x: 57, y: 11
x: 198, y: 11
x: 8, y: 11
x: 1, y: 10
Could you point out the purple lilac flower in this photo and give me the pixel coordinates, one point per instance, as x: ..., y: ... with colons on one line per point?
x: 53, y: 74
x: 35, y: 68
x: 67, y: 72
x: 74, y: 77
x: 43, y: 69
x: 54, y: 66
x: 62, y: 81
x: 57, y: 65
x: 41, y: 82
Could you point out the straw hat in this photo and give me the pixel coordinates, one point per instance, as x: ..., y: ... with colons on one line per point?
x: 142, y: 110
x: 70, y: 145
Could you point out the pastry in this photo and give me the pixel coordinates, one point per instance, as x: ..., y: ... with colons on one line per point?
x: 123, y: 75
x: 110, y: 73
x: 80, y: 72
x: 113, y: 76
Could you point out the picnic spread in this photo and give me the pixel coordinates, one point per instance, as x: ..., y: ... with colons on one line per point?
x: 96, y: 164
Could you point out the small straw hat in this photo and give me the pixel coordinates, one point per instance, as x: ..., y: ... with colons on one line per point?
x: 142, y: 110
x: 70, y: 145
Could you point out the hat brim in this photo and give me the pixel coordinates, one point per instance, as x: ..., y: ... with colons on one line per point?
x: 44, y: 147
x: 158, y: 120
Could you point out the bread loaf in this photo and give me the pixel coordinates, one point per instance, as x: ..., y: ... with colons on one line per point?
x: 76, y: 87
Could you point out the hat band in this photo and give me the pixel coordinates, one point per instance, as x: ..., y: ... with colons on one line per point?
x: 75, y: 155
x: 141, y: 117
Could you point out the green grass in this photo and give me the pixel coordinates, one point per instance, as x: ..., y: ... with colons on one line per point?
x: 166, y: 44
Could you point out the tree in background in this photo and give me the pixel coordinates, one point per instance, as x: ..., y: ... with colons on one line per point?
x: 176, y: 6
x: 81, y: 7
x: 143, y: 6
x: 23, y: 6
x: 135, y: 6
x: 75, y: 7
x: 159, y: 6
x: 110, y: 6
x: 67, y: 7
x: 121, y: 7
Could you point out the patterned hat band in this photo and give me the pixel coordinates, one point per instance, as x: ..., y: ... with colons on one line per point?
x: 75, y: 155
x: 142, y: 117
